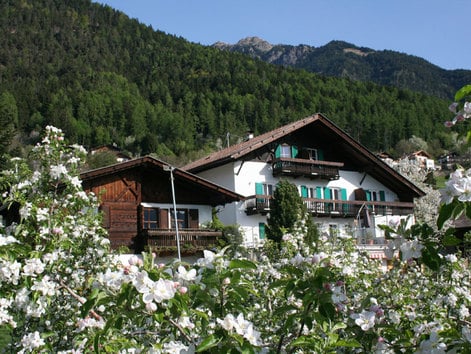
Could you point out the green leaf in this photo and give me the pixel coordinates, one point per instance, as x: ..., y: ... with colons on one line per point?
x: 350, y: 343
x: 446, y: 211
x: 301, y: 341
x: 327, y: 310
x: 430, y: 257
x: 451, y: 240
x: 338, y: 326
x: 242, y: 263
x: 207, y: 343
x: 463, y: 92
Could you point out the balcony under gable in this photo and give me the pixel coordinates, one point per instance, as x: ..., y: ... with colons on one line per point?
x: 313, y: 169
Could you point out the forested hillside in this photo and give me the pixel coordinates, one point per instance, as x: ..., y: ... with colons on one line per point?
x: 342, y: 59
x: 105, y: 78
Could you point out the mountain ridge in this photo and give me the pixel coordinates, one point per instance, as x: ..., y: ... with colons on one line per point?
x: 346, y: 60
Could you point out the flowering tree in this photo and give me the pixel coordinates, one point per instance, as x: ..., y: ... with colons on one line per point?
x: 63, y: 291
x: 50, y: 255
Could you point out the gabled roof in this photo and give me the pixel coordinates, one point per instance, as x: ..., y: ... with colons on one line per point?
x: 213, y: 193
x: 420, y: 153
x: 351, y: 149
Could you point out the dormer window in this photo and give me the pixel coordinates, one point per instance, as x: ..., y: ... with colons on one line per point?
x: 286, y: 151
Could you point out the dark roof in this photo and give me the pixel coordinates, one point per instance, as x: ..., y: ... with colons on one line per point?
x: 215, y: 194
x: 352, y: 149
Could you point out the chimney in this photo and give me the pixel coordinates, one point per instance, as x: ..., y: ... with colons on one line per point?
x: 248, y: 135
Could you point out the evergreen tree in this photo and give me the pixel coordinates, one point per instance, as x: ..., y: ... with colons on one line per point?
x: 286, y: 210
x: 8, y: 124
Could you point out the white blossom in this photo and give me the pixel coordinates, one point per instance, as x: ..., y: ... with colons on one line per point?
x: 411, y: 249
x: 159, y: 291
x: 365, y: 320
x: 31, y: 341
x: 183, y: 274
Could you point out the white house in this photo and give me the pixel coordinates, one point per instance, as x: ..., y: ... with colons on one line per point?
x: 346, y: 187
x: 422, y: 159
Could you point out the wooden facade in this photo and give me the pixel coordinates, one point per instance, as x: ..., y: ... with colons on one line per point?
x: 124, y: 188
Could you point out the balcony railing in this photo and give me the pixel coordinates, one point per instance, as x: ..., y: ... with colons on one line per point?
x: 260, y: 204
x: 194, y: 239
x: 307, y: 168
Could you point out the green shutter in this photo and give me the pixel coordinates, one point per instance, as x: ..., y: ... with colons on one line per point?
x: 278, y: 151
x: 368, y: 195
x: 294, y: 151
x: 343, y: 195
x: 304, y: 191
x: 327, y: 193
x: 258, y: 188
x: 319, y: 192
x: 320, y: 155
x: 261, y: 230
x: 382, y: 196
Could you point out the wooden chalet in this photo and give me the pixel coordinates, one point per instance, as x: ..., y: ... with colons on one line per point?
x: 136, y: 198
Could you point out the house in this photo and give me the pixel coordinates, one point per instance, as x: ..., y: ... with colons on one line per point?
x: 422, y: 159
x: 137, y: 200
x: 111, y: 149
x: 346, y: 188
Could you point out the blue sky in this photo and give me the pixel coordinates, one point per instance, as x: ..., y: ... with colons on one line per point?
x: 436, y: 30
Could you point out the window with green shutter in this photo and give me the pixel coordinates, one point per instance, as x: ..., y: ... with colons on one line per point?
x: 343, y: 195
x: 327, y: 195
x: 258, y: 188
x: 278, y: 151
x: 304, y: 191
x: 382, y: 196
x: 319, y: 192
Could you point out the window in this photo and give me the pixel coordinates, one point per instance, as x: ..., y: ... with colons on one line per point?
x: 150, y: 218
x: 375, y: 196
x: 285, y: 151
x: 186, y: 218
x: 161, y: 218
x: 268, y: 189
x: 312, y: 154
x: 264, y: 188
x: 182, y: 218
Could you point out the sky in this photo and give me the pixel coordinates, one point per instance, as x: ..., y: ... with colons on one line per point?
x: 438, y: 31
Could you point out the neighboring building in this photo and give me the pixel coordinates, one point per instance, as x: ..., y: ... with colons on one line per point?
x: 346, y: 188
x: 136, y: 198
x: 113, y: 150
x: 422, y: 159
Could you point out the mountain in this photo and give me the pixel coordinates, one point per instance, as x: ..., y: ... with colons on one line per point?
x: 342, y: 59
x: 104, y: 78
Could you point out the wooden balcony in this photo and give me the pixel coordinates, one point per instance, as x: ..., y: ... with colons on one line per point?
x: 190, y: 239
x: 313, y: 169
x: 260, y: 204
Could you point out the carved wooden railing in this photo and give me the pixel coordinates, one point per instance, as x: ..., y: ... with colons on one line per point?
x: 260, y: 204
x: 328, y: 170
x: 196, y: 239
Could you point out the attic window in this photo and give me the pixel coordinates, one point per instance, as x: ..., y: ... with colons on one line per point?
x: 285, y: 151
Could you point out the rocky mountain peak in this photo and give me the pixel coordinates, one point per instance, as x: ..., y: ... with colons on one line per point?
x: 256, y: 43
